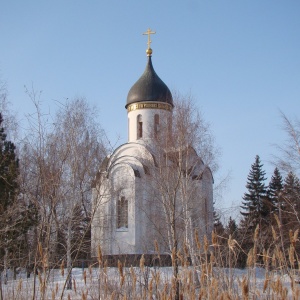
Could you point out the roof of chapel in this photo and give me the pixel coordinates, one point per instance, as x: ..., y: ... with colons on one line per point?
x: 149, y: 87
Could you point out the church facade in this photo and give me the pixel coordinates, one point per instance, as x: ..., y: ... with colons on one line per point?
x: 132, y: 193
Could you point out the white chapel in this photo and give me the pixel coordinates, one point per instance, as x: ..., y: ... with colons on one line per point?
x: 129, y: 204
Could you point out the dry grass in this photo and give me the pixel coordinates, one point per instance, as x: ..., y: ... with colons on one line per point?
x: 209, y: 279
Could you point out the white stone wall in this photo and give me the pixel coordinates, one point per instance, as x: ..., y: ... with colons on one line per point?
x: 148, y: 122
x: 146, y: 220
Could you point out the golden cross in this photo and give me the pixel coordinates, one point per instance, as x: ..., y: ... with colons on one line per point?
x: 148, y: 32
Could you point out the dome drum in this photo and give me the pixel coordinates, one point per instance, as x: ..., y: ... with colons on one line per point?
x: 151, y: 105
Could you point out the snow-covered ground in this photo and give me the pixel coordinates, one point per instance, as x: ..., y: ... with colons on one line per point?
x: 86, y: 283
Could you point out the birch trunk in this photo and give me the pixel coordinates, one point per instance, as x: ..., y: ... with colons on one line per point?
x: 69, y: 258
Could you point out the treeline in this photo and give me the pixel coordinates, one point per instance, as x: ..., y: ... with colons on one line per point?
x: 269, y: 216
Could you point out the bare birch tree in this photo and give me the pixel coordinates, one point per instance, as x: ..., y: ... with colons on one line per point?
x: 10, y: 122
x: 82, y: 148
x: 290, y: 150
x: 289, y: 162
x: 180, y: 187
x: 60, y: 156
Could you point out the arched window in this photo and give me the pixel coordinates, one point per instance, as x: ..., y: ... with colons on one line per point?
x: 156, y: 125
x: 122, y: 213
x: 139, y: 127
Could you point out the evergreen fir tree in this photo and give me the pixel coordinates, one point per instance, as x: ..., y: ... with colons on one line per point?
x: 274, y: 189
x: 231, y: 228
x: 16, y: 216
x: 254, y: 211
x: 291, y: 186
x: 291, y: 198
x: 289, y: 210
x: 9, y: 171
x: 218, y: 226
x: 254, y: 207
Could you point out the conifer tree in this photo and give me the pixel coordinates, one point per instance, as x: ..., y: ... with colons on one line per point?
x: 218, y: 226
x: 231, y: 228
x: 9, y: 171
x: 254, y: 210
x: 16, y: 214
x: 291, y: 199
x: 254, y: 206
x: 291, y: 186
x: 274, y: 189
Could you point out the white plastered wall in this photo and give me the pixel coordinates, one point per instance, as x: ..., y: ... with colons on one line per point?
x: 120, y: 180
x: 148, y: 122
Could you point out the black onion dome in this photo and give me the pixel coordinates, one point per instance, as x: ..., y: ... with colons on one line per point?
x: 149, y: 88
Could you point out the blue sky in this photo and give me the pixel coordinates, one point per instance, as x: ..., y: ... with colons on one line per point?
x: 239, y: 59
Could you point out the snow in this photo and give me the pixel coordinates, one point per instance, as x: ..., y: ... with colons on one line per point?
x: 86, y: 282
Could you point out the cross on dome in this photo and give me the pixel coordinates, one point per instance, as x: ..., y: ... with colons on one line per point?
x: 149, y: 32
